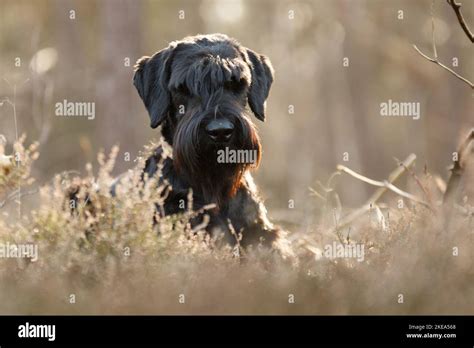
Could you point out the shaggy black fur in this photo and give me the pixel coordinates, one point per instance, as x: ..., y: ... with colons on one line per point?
x: 202, y: 90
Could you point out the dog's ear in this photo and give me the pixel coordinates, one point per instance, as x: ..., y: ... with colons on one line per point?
x: 151, y: 81
x: 262, y: 79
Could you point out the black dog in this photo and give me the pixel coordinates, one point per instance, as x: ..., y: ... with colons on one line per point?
x: 201, y: 90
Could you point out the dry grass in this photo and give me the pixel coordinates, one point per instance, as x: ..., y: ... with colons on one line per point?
x: 113, y: 261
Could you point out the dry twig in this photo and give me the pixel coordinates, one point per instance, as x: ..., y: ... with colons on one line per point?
x: 435, y: 60
x: 419, y: 183
x: 386, y: 185
x: 457, y: 9
x: 457, y: 168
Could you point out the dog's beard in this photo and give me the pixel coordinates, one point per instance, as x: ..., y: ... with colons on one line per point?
x: 196, y: 159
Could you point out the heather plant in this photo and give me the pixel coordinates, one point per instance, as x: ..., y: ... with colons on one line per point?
x: 99, y: 253
x: 116, y: 254
x: 15, y: 168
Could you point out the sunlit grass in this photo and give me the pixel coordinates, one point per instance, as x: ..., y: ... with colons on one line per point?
x: 116, y: 255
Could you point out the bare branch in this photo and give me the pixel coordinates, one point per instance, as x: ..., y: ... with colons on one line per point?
x: 408, y: 162
x: 457, y: 169
x: 435, y: 52
x: 457, y: 9
x: 313, y: 192
x: 437, y: 62
x: 419, y: 183
x: 456, y: 6
x: 384, y: 183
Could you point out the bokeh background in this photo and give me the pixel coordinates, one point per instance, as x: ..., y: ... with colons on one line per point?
x: 336, y: 109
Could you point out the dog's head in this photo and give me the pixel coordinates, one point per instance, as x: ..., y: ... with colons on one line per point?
x: 201, y: 90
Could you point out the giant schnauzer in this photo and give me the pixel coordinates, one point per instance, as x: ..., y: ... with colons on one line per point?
x: 201, y: 91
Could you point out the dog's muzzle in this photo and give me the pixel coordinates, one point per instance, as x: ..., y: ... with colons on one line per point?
x: 220, y: 130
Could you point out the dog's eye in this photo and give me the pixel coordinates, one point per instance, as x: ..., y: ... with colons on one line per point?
x: 183, y: 90
x: 235, y: 85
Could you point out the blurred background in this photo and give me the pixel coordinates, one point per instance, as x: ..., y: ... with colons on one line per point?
x: 318, y: 109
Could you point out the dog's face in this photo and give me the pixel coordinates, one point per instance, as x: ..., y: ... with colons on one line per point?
x: 201, y: 90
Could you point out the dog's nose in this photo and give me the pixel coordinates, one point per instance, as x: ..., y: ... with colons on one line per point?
x: 220, y: 130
